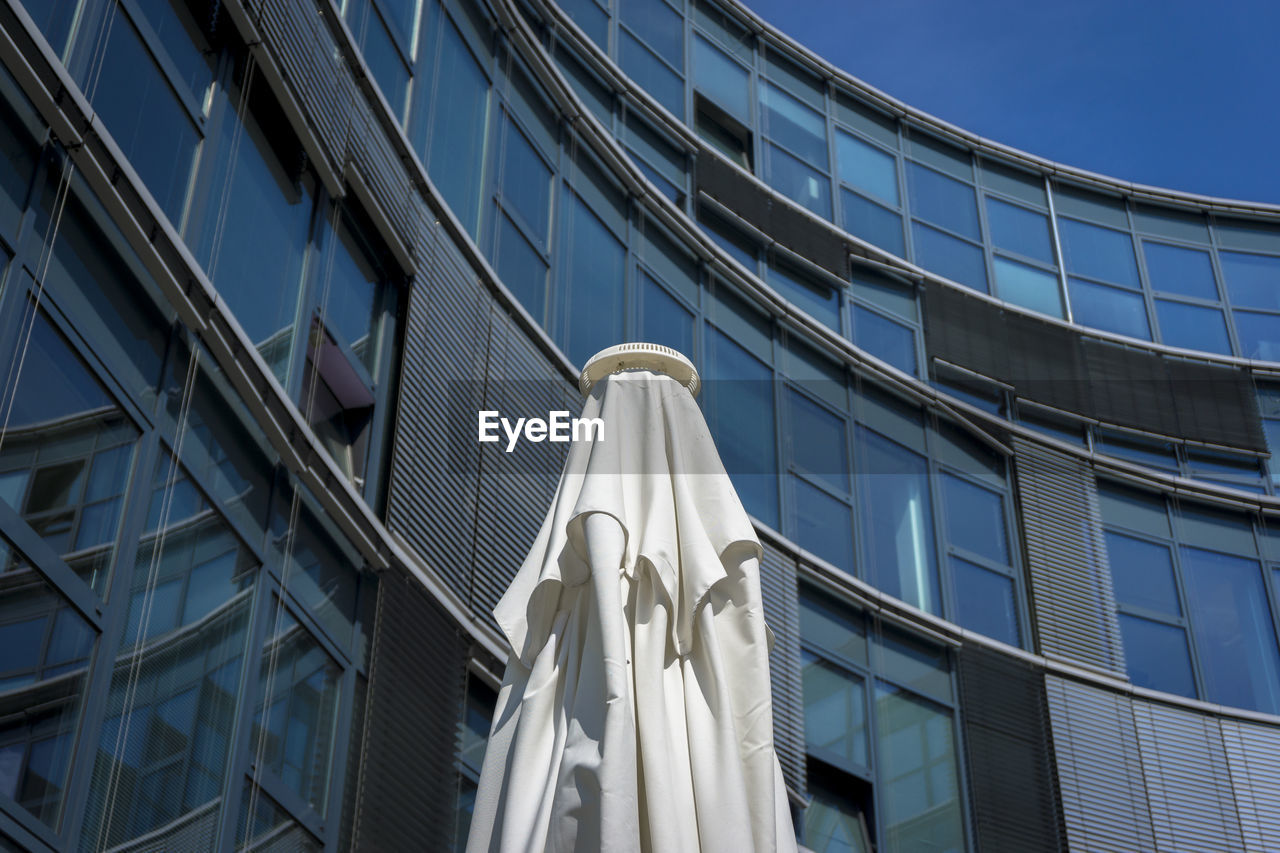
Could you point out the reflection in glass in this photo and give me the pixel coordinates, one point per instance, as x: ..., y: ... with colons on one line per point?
x: 1195, y: 327
x: 353, y: 285
x: 722, y: 80
x: 949, y: 256
x: 798, y: 181
x: 1019, y: 230
x: 265, y: 827
x: 456, y: 134
x: 1253, y: 281
x: 866, y: 167
x: 835, y: 712
x: 834, y: 825
x: 1109, y: 308
x: 896, y: 521
x: 658, y: 25
x: 1142, y: 574
x: 975, y: 519
x: 1028, y: 286
x: 663, y: 319
x: 294, y: 728
x: 920, y: 789
x: 943, y: 201
x: 885, y: 339
x: 526, y: 182
x: 45, y: 647
x: 741, y: 418
x: 984, y: 601
x: 1157, y: 656
x: 1175, y: 269
x: 651, y: 73
x: 162, y: 757
x: 823, y: 524
x: 1234, y: 633
x: 1259, y: 334
x: 521, y: 268
x: 872, y: 222
x: 66, y: 455
x: 833, y: 626
x: 591, y: 274
x: 1098, y: 252
x: 790, y: 123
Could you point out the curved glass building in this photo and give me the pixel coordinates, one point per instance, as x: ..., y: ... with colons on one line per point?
x: 1005, y: 426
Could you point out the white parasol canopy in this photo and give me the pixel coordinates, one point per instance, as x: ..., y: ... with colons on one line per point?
x: 635, y: 712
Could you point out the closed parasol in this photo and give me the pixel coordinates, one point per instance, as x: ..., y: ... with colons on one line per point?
x: 635, y: 712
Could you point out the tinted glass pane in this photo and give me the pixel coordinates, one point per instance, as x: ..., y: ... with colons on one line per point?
x: 1027, y: 286
x: 591, y: 273
x: 386, y: 65
x: 353, y: 295
x: 817, y: 441
x: 1233, y: 630
x: 722, y: 80
x: 797, y: 181
x: 1193, y: 327
x: 457, y: 131
x: 915, y: 663
x: 658, y: 25
x: 167, y: 739
x: 663, y: 319
x: 1019, y: 230
x: 597, y: 97
x: 145, y: 117
x: 593, y: 20
x: 823, y: 524
x: 1133, y: 509
x: 1157, y: 655
x: 838, y: 629
x: 1259, y: 335
x: 1253, y: 281
x: 741, y: 418
x: 650, y: 73
x: 943, y: 201
x: 521, y: 268
x: 885, y: 339
x: 265, y: 826
x: 813, y: 297
x: 975, y: 519
x: 1142, y: 574
x: 20, y: 128
x: 1174, y: 269
x: 896, y: 521
x: 45, y: 647
x: 984, y: 601
x: 1098, y: 252
x: 476, y: 719
x: 955, y: 259
x: 835, y: 712
x: 875, y: 224
x: 294, y: 727
x: 919, y: 785
x: 1027, y: 186
x: 1109, y: 308
x: 67, y: 454
x: 867, y: 167
x: 834, y: 824
x: 792, y: 124
x: 526, y: 183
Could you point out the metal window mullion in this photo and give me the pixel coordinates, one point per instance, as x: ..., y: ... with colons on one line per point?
x: 1180, y: 581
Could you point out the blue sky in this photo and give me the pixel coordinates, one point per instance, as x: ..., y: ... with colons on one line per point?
x: 1177, y: 93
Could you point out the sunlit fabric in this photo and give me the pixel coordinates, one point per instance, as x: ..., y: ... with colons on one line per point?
x: 635, y: 713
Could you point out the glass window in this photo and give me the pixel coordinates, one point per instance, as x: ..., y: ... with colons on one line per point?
x: 975, y: 519
x: 354, y: 292
x: 799, y: 81
x: 917, y: 664
x: 920, y: 787
x: 265, y: 826
x: 593, y: 20
x: 456, y: 135
x: 1028, y: 286
x: 21, y: 128
x: 950, y: 257
x: 872, y: 222
x: 943, y: 201
x: 642, y: 66
x: 832, y: 626
x: 526, y: 183
x: 521, y: 268
x: 377, y: 45
x: 896, y: 296
x: 1157, y: 655
x: 67, y: 455
x: 866, y: 167
x: 823, y: 524
x: 832, y: 822
x: 1166, y: 222
x: 1259, y: 335
x: 597, y: 97
x: 297, y: 709
x: 859, y: 116
x: 1253, y: 281
x: 145, y: 117
x: 663, y: 318
x: 1098, y: 252
x: 815, y: 298
x: 797, y: 181
x: 790, y: 123
x: 741, y: 418
x: 1134, y: 509
x: 726, y: 29
x: 1193, y: 326
x: 813, y: 371
x: 1027, y: 186
x: 1019, y: 230
x: 885, y: 339
x: 943, y: 156
x: 1109, y: 308
x: 985, y: 601
x: 660, y: 26
x: 1174, y: 269
x: 835, y: 712
x: 45, y: 647
x: 1234, y: 634
x: 656, y: 151
x: 817, y: 441
x: 1083, y: 204
x: 722, y: 80
x: 591, y: 275
x: 1142, y: 574
x: 1247, y: 234
x: 896, y: 521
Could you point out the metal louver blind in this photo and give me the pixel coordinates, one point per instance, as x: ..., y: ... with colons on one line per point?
x: 408, y: 780
x: 1071, y: 593
x: 1188, y: 785
x: 1253, y: 762
x: 1013, y: 785
x: 781, y: 612
x: 436, y: 459
x: 1095, y: 744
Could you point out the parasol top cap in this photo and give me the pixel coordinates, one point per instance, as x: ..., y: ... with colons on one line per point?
x: 653, y: 357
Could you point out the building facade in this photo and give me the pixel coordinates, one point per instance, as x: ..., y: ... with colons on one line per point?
x: 1004, y: 426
